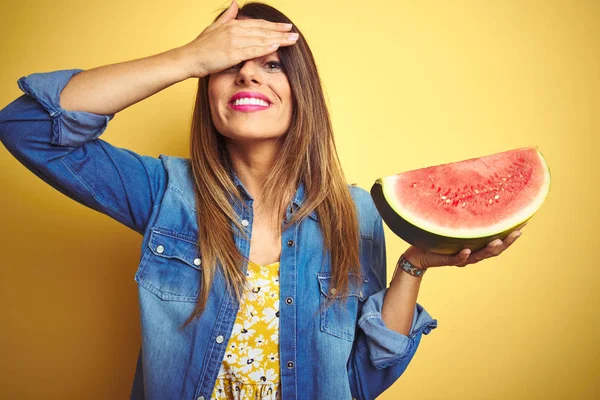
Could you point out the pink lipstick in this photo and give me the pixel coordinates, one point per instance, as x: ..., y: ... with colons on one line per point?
x: 249, y: 102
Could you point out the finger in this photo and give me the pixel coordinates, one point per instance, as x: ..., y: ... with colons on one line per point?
x: 267, y: 33
x: 483, y: 253
x: 510, y: 239
x: 263, y: 24
x: 229, y: 14
x: 455, y: 259
x: 263, y: 41
x: 493, y: 249
x: 463, y: 257
x: 476, y: 257
x: 496, y: 247
x: 248, y: 53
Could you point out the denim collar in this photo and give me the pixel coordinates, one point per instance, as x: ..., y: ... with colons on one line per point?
x: 297, y: 202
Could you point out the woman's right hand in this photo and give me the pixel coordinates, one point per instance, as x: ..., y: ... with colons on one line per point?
x: 228, y: 42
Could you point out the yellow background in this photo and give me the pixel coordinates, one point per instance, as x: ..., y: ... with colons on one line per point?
x: 410, y: 84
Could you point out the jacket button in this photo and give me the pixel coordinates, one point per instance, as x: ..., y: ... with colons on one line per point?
x: 197, y: 261
x: 289, y: 301
x: 245, y: 222
x: 333, y: 291
x: 219, y: 339
x: 290, y: 243
x: 290, y: 364
x: 160, y: 249
x: 201, y: 398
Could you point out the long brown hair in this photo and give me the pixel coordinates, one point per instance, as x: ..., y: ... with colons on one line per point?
x: 308, y: 155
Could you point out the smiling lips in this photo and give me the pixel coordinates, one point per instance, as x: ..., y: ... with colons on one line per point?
x: 249, y: 102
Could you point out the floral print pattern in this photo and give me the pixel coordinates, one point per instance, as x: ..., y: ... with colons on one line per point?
x: 250, y: 367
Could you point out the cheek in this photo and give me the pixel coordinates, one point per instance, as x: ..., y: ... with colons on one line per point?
x: 213, y: 97
x: 214, y: 113
x: 285, y: 92
x: 216, y: 86
x: 290, y: 107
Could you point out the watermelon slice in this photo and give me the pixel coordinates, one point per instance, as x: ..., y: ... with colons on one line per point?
x: 449, y: 207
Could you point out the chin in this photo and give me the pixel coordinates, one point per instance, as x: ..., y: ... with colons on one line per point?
x: 247, y: 135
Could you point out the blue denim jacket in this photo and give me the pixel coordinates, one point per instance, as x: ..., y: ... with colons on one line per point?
x: 339, y: 353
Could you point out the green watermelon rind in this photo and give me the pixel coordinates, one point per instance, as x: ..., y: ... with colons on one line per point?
x: 444, y: 240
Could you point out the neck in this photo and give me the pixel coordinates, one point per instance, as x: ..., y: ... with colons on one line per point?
x: 252, y: 162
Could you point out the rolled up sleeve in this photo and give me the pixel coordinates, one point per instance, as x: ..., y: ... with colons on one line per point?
x: 380, y: 355
x: 387, y: 346
x: 69, y: 128
x: 63, y: 148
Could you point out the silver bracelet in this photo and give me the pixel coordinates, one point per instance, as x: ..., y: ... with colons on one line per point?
x: 409, y: 268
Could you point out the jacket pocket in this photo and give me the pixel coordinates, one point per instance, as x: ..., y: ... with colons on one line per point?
x: 339, y: 319
x: 170, y: 267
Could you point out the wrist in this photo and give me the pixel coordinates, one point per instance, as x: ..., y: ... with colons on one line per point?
x: 414, y: 256
x: 404, y: 268
x: 179, y: 59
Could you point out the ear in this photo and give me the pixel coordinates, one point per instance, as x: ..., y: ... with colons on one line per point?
x: 229, y: 14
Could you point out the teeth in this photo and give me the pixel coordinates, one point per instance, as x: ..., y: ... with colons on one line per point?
x: 250, y: 101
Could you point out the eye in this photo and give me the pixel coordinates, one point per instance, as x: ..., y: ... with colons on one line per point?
x: 274, y: 66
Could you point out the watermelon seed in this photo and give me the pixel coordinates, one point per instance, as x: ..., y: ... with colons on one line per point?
x: 448, y: 201
x: 497, y: 197
x: 464, y: 204
x: 490, y: 201
x: 443, y: 197
x: 476, y: 191
x: 504, y: 179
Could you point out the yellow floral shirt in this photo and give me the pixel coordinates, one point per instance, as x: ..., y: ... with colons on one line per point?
x: 250, y: 367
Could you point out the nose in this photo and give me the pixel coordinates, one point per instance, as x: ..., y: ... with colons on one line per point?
x: 248, y: 74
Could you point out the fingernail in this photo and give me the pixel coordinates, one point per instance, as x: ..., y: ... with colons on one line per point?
x: 293, y: 36
x: 288, y: 26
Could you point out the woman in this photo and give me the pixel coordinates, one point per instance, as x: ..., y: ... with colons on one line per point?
x: 259, y: 216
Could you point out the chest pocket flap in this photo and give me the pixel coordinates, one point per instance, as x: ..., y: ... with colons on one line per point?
x: 340, y: 318
x: 170, y: 267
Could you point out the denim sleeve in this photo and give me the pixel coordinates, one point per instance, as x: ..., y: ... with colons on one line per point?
x: 381, y: 355
x: 63, y: 149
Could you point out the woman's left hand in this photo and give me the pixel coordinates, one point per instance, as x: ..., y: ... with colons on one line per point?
x: 425, y: 259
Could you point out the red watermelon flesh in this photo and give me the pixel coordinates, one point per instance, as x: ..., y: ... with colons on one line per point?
x: 447, y: 207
